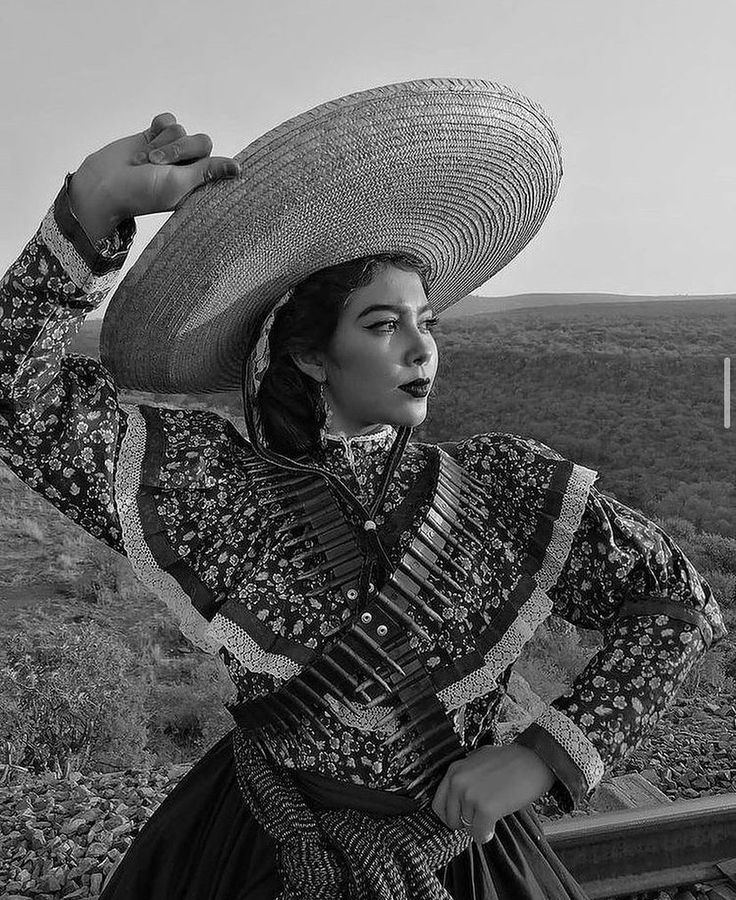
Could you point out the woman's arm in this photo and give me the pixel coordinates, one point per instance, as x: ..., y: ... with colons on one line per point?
x: 627, y: 578
x: 60, y: 420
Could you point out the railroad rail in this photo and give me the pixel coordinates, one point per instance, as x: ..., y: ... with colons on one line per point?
x: 672, y: 844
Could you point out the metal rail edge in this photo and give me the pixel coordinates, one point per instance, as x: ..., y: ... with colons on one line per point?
x: 613, y: 854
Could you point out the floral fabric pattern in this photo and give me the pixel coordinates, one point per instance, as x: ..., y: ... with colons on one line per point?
x: 206, y: 521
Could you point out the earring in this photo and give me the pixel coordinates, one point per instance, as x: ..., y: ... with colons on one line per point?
x: 325, y: 429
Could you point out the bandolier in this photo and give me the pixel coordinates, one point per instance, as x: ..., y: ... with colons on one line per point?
x: 371, y: 657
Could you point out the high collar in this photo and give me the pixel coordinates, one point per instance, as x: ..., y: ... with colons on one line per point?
x: 359, y: 445
x: 381, y: 437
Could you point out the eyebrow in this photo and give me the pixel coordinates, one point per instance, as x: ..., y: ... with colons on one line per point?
x: 388, y: 307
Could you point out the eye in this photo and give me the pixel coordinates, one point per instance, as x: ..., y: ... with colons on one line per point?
x: 375, y: 326
x: 386, y: 326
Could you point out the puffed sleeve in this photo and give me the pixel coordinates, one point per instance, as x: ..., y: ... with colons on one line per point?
x: 627, y: 578
x: 60, y: 421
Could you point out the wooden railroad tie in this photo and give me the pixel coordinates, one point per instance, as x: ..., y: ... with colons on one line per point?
x: 628, y: 792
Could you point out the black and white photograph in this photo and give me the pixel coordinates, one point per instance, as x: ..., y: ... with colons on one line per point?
x: 367, y: 465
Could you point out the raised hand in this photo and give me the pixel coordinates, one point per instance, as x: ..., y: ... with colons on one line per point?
x: 148, y: 172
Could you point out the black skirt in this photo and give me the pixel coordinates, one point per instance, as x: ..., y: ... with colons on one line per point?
x: 202, y: 843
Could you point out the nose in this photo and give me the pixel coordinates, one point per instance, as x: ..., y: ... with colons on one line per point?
x: 421, y: 348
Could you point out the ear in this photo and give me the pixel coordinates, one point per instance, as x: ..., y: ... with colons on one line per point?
x: 312, y: 364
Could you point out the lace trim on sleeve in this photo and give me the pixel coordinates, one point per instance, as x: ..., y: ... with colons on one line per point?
x: 538, y: 607
x: 248, y: 652
x: 127, y: 485
x: 576, y: 744
x: 568, y: 522
x: 75, y: 267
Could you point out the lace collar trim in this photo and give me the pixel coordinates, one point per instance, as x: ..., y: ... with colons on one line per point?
x: 381, y: 438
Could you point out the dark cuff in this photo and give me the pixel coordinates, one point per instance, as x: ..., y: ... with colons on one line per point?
x: 101, y: 258
x: 570, y: 787
x: 656, y: 605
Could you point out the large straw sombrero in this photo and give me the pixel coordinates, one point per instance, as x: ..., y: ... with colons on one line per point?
x: 459, y: 172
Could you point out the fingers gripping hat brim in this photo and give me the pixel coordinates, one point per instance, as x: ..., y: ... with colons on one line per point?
x: 459, y: 172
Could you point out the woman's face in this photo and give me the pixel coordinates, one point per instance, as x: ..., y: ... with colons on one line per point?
x: 383, y: 339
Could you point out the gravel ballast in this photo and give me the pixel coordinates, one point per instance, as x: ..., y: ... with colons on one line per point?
x: 61, y: 838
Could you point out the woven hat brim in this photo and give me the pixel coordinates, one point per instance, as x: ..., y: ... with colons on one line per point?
x: 459, y: 172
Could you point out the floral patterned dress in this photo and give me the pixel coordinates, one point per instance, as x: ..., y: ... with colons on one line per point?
x: 176, y: 492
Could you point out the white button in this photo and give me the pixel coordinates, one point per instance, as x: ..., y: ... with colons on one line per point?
x: 382, y: 630
x: 351, y: 594
x: 371, y: 587
x: 366, y: 617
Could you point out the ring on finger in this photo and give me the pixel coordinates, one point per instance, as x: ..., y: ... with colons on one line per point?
x: 466, y: 824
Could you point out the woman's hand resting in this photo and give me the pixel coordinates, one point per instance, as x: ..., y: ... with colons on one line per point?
x: 488, y: 784
x: 128, y: 178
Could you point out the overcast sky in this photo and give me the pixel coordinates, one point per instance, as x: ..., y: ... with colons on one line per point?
x: 642, y: 93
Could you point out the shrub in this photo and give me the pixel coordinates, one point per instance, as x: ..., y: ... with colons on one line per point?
x: 68, y: 700
x: 709, y: 673
x: 186, y: 711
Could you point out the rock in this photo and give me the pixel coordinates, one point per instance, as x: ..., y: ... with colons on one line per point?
x: 74, y: 825
x: 82, y: 868
x: 67, y: 806
x: 119, y: 830
x: 97, y: 849
x: 92, y: 815
x: 95, y: 883
x: 35, y: 837
x: 54, y: 881
x: 518, y: 707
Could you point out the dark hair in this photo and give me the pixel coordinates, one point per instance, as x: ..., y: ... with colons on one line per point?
x: 291, y: 412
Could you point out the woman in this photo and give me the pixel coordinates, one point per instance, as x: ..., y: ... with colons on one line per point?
x: 368, y: 595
